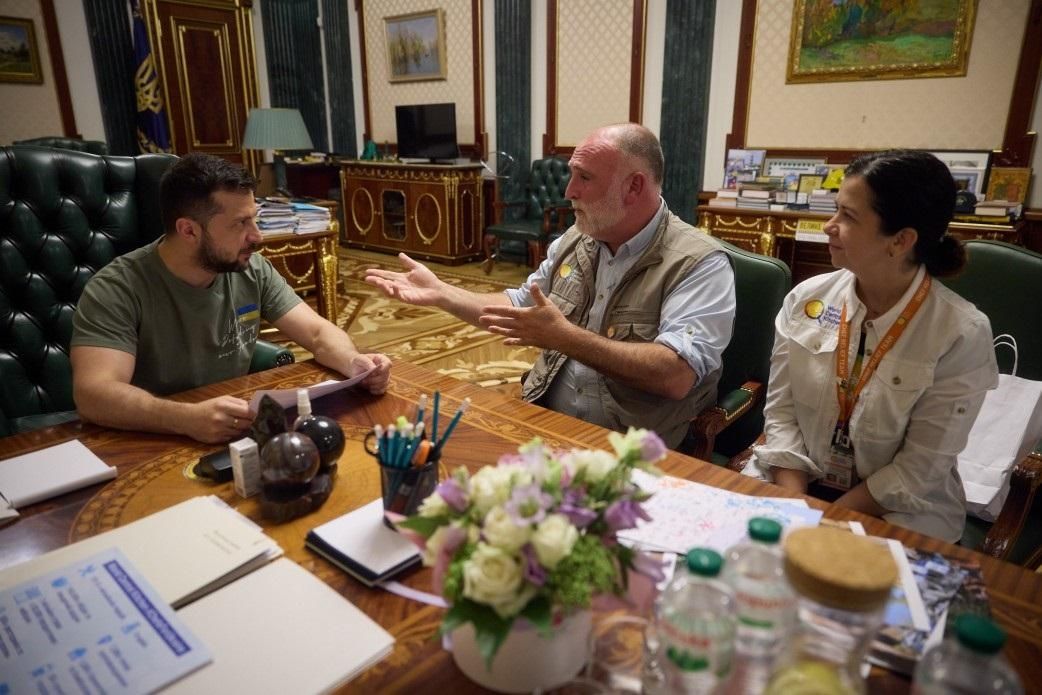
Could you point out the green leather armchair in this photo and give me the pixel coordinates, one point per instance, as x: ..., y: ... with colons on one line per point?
x: 62, y: 143
x: 1003, y: 281
x: 761, y: 283
x: 64, y: 215
x: 529, y: 222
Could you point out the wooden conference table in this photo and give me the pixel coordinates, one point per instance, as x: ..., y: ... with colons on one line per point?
x: 154, y: 473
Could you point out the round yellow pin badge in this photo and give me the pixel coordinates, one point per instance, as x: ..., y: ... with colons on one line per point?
x: 565, y: 270
x: 814, y: 308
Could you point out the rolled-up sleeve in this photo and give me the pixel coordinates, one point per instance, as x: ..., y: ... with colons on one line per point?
x: 939, y: 424
x: 697, y: 317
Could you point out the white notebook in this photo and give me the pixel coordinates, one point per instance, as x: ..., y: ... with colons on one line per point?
x: 280, y: 630
x: 185, y: 551
x: 50, y: 472
x: 360, y: 544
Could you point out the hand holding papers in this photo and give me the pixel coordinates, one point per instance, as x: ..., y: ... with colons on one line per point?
x: 288, y: 397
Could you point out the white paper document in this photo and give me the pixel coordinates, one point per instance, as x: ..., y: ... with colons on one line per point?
x: 185, y: 551
x: 95, y: 625
x: 686, y: 514
x: 50, y: 472
x: 280, y: 630
x: 287, y: 398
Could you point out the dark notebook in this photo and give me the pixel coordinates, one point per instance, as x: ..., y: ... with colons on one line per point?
x: 360, y: 544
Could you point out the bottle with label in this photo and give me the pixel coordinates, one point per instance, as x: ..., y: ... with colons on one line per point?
x: 764, y: 601
x: 972, y: 662
x: 695, y: 626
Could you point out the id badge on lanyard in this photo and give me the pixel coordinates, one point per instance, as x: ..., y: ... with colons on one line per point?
x: 840, y: 471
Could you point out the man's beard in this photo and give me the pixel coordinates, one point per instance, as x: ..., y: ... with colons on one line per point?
x: 209, y: 260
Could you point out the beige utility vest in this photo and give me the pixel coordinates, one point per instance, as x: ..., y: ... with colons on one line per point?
x: 632, y: 315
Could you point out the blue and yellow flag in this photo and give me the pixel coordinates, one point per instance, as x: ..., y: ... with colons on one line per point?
x: 152, y: 133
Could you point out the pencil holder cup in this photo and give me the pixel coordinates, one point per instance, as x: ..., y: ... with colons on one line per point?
x: 404, y: 489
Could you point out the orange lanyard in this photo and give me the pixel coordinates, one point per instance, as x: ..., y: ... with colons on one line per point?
x: 848, y: 398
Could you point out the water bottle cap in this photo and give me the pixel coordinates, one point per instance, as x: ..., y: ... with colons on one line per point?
x: 764, y: 530
x: 704, y: 562
x: 979, y: 634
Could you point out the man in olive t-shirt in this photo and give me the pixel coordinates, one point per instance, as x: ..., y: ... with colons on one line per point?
x: 185, y: 311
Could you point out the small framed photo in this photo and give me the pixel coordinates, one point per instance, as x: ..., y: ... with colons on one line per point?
x: 971, y: 180
x: 1009, y: 183
x: 742, y: 166
x: 809, y: 183
x: 416, y: 46
x: 19, y: 56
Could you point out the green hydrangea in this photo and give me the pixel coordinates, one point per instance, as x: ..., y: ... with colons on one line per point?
x: 587, y: 571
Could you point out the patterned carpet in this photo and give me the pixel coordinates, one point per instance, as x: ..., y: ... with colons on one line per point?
x: 423, y: 335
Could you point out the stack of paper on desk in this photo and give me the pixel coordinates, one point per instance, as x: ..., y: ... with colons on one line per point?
x: 185, y: 551
x: 280, y: 630
x: 50, y: 472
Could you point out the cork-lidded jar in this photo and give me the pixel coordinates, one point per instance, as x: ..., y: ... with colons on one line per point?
x: 843, y: 582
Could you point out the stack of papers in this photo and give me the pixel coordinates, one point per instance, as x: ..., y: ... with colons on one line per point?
x: 686, y: 515
x: 274, y: 217
x: 311, y: 218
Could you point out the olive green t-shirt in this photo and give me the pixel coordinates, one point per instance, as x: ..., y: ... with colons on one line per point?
x: 181, y: 336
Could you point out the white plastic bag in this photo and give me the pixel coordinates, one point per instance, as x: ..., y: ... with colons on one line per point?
x: 1008, y: 426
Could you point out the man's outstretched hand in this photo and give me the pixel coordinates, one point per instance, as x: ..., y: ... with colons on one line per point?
x: 417, y: 285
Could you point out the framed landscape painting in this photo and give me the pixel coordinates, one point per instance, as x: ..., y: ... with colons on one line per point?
x: 416, y: 46
x: 19, y: 56
x: 858, y: 40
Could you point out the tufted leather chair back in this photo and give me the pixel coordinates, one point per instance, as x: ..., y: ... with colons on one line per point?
x: 90, y: 146
x: 63, y: 215
x: 546, y: 183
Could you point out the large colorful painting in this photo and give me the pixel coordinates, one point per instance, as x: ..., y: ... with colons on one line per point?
x: 846, y: 40
x: 416, y: 46
x: 19, y: 57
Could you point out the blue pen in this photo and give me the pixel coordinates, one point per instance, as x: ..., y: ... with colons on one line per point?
x: 392, y: 444
x: 407, y: 437
x: 448, y: 430
x: 420, y: 408
x: 410, y: 448
x: 434, y: 418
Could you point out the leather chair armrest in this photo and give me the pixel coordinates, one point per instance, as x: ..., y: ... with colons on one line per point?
x: 712, y: 421
x: 269, y: 355
x: 741, y: 459
x: 1023, y: 484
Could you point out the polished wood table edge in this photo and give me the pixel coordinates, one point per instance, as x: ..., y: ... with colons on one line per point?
x: 1014, y: 592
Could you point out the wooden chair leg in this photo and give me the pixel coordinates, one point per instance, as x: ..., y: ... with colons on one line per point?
x: 490, y: 245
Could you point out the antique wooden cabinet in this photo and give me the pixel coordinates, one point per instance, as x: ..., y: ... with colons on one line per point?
x: 429, y: 211
x: 773, y: 233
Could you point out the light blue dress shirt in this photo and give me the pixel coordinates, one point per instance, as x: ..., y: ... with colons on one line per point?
x: 696, y: 319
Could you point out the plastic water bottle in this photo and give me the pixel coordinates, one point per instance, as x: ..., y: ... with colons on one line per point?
x: 969, y: 664
x: 765, y: 603
x: 695, y: 626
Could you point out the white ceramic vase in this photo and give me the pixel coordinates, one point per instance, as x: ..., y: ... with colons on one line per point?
x: 527, y: 660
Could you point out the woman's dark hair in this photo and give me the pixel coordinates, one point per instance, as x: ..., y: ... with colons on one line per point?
x: 186, y: 188
x: 914, y: 189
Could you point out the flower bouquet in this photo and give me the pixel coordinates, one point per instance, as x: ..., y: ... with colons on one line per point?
x: 534, y: 536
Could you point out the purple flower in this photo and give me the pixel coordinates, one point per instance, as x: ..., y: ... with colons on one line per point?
x: 652, y: 448
x: 648, y: 566
x: 572, y: 506
x: 453, y: 494
x: 623, y: 514
x: 528, y: 504
x: 534, y: 573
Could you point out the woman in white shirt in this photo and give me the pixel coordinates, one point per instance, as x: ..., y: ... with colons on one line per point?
x: 878, y: 371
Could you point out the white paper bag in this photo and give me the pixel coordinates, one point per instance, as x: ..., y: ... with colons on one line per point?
x: 1008, y: 427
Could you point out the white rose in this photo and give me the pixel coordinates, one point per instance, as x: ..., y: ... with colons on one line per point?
x: 553, y: 539
x: 434, y: 544
x: 495, y: 578
x: 501, y: 531
x: 489, y: 487
x: 433, y: 506
x: 596, y: 464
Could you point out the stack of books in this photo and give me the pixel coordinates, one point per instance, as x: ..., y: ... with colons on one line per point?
x: 822, y: 200
x: 755, y: 196
x: 725, y: 198
x: 994, y: 212
x: 274, y: 217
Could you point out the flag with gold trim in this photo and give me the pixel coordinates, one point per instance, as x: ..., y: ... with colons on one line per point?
x: 152, y: 133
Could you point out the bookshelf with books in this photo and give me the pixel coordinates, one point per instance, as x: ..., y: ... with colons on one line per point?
x: 773, y: 233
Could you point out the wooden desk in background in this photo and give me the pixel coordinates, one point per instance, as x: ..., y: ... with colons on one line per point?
x: 773, y: 233
x: 153, y: 474
x: 308, y: 262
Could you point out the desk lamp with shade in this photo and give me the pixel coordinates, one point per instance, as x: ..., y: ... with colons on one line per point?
x: 278, y: 130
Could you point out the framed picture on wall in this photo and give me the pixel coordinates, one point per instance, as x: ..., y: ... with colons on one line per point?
x: 416, y: 46
x: 19, y: 56
x: 850, y: 41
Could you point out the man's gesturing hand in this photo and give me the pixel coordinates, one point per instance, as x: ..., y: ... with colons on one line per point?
x: 417, y: 285
x: 542, y: 325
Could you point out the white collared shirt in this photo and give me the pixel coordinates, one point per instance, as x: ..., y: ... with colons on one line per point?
x: 914, y: 414
x: 695, y: 321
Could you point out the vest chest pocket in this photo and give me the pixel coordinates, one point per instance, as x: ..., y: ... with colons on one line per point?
x: 632, y: 332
